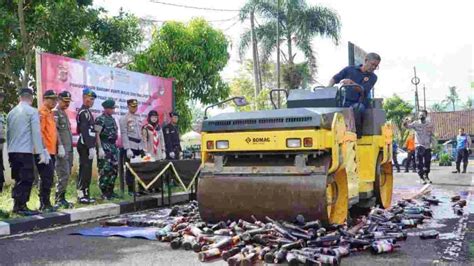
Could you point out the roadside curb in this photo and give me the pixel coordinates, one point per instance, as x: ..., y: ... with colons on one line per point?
x: 48, y: 220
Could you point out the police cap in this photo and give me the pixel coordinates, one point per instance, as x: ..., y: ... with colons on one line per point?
x: 65, y: 96
x: 50, y: 94
x: 132, y: 102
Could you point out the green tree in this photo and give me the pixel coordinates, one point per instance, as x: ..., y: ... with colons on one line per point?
x: 59, y: 27
x: 469, y: 104
x: 193, y: 54
x: 438, y: 107
x: 452, y: 97
x: 242, y: 85
x: 396, y: 110
x: 299, y: 24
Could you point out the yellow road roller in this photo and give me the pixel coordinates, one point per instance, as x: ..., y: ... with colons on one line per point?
x: 304, y: 159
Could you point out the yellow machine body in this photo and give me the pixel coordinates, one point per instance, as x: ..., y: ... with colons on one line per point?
x: 353, y: 172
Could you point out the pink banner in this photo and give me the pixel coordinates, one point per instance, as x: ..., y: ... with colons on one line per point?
x: 60, y: 73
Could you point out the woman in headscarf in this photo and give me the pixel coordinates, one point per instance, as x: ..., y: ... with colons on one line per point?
x: 153, y: 137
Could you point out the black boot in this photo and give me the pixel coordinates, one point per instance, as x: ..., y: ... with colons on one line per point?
x: 45, y: 205
x: 113, y: 195
x: 105, y: 194
x: 62, y: 202
x: 427, y: 179
x: 85, y: 199
x: 22, y: 210
x: 91, y: 200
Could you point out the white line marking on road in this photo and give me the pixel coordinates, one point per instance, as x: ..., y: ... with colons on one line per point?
x: 454, y: 247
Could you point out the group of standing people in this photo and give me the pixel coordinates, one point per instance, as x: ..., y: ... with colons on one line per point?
x: 420, y: 143
x: 43, y: 139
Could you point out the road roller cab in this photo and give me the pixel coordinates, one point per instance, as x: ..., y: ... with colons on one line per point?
x: 304, y: 159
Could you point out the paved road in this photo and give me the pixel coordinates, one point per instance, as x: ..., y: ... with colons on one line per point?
x: 58, y: 247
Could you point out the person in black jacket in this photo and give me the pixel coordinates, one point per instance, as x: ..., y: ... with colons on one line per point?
x: 85, y: 146
x: 171, y: 135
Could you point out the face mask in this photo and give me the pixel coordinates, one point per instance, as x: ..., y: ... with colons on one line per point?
x: 422, y: 117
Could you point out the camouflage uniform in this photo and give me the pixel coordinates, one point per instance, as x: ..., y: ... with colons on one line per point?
x: 107, y: 129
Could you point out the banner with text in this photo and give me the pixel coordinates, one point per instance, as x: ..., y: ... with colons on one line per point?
x: 60, y: 73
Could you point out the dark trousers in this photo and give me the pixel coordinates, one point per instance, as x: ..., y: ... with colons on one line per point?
x: 462, y: 156
x: 22, y: 172
x: 85, y: 169
x: 2, y: 169
x: 46, y: 173
x: 359, y: 111
x: 395, y: 161
x: 424, y: 161
x: 129, y: 179
x: 411, y: 159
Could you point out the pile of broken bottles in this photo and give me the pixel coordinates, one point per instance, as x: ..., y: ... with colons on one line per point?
x: 296, y: 242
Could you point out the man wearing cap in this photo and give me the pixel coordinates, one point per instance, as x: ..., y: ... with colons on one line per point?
x: 130, y: 131
x: 171, y: 135
x: 24, y: 140
x: 85, y: 146
x: 2, y: 141
x: 50, y: 142
x: 65, y: 156
x: 108, y: 154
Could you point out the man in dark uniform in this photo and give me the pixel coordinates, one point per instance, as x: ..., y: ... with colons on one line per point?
x: 108, y: 154
x: 171, y: 135
x: 131, y: 133
x: 356, y: 97
x: 65, y: 158
x: 85, y: 146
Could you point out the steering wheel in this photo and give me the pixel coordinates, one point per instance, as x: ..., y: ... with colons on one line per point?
x: 342, y: 92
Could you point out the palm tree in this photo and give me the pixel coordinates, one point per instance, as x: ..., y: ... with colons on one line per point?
x: 469, y: 103
x: 452, y: 97
x: 299, y: 23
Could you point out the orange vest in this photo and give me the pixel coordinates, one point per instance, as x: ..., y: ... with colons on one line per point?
x: 48, y: 130
x: 410, y: 143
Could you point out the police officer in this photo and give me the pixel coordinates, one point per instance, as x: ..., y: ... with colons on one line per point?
x: 130, y: 131
x: 65, y: 156
x: 171, y: 135
x: 85, y: 146
x: 108, y: 154
x: 24, y: 140
x: 2, y: 141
